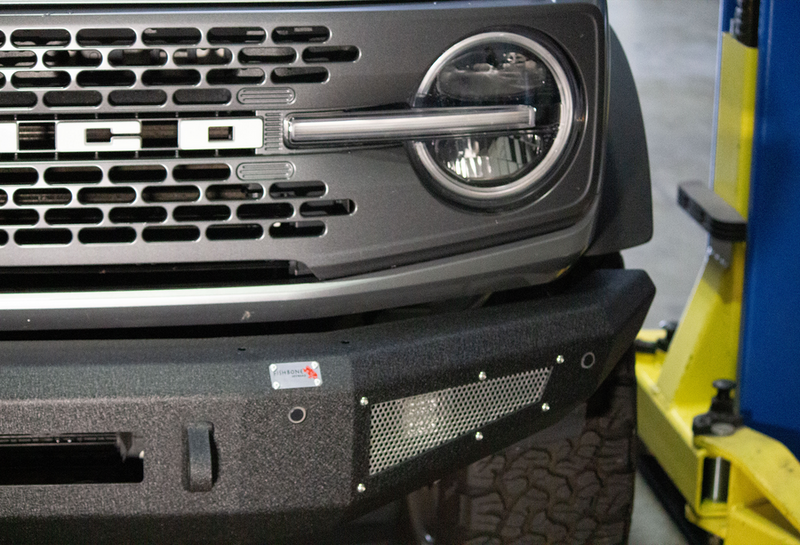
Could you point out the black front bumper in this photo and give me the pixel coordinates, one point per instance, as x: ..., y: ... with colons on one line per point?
x: 271, y: 477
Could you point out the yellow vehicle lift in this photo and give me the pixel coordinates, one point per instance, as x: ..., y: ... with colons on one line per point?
x: 739, y: 484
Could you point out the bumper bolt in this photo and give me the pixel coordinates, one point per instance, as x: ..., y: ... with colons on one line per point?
x: 560, y: 359
x: 545, y: 407
x: 364, y: 402
x: 361, y: 488
x: 482, y: 375
x: 478, y: 436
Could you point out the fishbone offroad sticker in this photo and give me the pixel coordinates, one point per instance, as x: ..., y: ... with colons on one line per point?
x: 301, y: 374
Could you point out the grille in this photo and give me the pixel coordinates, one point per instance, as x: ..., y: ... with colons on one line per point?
x: 155, y: 202
x: 404, y: 428
x: 156, y: 76
x: 154, y: 65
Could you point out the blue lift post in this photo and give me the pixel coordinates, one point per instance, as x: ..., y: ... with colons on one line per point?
x: 739, y: 482
x: 769, y: 374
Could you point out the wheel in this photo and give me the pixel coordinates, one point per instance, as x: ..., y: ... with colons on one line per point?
x: 569, y: 484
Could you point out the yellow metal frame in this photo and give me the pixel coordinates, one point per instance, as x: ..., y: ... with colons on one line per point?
x: 763, y: 504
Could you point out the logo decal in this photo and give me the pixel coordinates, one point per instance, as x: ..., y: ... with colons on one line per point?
x: 298, y: 374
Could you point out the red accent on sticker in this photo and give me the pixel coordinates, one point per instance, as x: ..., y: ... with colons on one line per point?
x: 310, y: 372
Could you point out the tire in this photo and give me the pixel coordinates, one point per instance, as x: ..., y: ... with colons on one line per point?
x: 570, y: 484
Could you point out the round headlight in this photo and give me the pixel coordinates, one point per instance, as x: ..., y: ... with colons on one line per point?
x: 498, y: 69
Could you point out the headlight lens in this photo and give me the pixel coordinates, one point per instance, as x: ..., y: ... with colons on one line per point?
x: 494, y: 69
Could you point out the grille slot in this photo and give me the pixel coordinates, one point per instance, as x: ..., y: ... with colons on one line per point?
x: 202, y: 56
x: 2, y: 38
x: 73, y: 175
x: 293, y: 190
x: 35, y: 237
x: 90, y: 37
x: 24, y: 99
x: 188, y: 233
x: 22, y: 80
x: 106, y: 195
x: 159, y: 134
x: 267, y: 55
x: 3, y: 197
x: 297, y: 229
x: 3, y: 238
x: 236, y: 35
x: 137, y: 57
x: 217, y: 212
x: 235, y: 76
x: 63, y: 58
x: 106, y: 78
x: 299, y: 75
x: 19, y: 59
x: 187, y: 193
x: 139, y: 97
x: 142, y: 214
x: 62, y: 99
x: 171, y: 36
x: 31, y: 237
x: 36, y: 136
x: 201, y: 172
x: 247, y: 231
x: 137, y: 173
x: 19, y: 176
x: 49, y: 196
x: 300, y: 34
x: 234, y: 192
x: 201, y: 96
x: 73, y: 216
x: 171, y: 77
x: 344, y: 53
x: 405, y: 428
x: 40, y: 37
x: 107, y: 235
x: 160, y: 276
x: 265, y: 211
x: 19, y: 217
x: 339, y: 207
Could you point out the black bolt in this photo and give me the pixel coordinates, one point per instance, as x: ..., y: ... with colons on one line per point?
x: 722, y: 402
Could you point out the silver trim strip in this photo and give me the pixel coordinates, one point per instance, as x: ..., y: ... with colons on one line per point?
x: 407, y: 125
x: 502, y: 267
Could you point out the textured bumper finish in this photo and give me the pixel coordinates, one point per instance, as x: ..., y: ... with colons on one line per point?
x: 275, y: 477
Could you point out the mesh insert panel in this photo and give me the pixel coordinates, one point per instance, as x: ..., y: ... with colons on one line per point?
x: 403, y: 428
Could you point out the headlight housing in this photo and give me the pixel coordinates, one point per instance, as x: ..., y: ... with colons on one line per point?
x: 498, y: 169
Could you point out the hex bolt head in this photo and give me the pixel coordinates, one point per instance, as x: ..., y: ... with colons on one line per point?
x: 276, y: 385
x: 482, y: 375
x: 364, y: 401
x: 273, y: 367
x: 478, y: 436
x: 560, y: 359
x: 317, y: 382
x: 314, y: 365
x: 361, y: 488
x: 545, y: 407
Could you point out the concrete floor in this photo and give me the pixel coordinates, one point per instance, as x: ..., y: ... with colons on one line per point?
x: 671, y: 45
